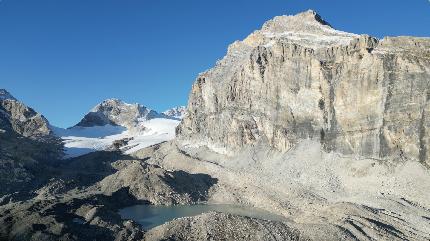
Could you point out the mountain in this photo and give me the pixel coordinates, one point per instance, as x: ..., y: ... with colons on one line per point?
x: 117, y: 112
x: 27, y: 145
x: 22, y: 119
x: 176, y: 112
x: 325, y: 131
x: 5, y: 95
x: 299, y: 78
x: 326, y: 127
x: 116, y: 125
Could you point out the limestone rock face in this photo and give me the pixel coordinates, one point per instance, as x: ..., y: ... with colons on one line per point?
x: 298, y: 78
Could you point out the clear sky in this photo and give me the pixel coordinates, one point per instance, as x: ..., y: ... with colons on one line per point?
x: 62, y: 57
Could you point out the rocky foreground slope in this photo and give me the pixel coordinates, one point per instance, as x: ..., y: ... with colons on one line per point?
x: 299, y: 78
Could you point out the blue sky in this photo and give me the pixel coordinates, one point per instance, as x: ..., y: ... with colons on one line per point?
x: 62, y: 57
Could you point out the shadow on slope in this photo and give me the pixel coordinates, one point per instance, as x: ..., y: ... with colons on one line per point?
x: 26, y: 163
x: 90, y: 168
x: 72, y: 201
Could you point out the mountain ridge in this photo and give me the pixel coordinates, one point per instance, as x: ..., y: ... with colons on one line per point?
x: 23, y: 119
x: 114, y: 111
x: 116, y: 125
x: 178, y: 112
x: 4, y: 94
x: 117, y: 112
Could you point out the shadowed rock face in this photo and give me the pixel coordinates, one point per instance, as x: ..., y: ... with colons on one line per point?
x: 299, y: 78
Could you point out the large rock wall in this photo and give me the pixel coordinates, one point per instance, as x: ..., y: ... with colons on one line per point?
x: 366, y: 97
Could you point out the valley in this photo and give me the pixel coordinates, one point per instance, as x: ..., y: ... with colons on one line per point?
x: 301, y: 132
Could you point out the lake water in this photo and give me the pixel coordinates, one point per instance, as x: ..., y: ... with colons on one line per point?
x: 150, y: 216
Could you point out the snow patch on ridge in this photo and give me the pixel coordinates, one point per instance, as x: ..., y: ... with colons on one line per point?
x: 116, y: 125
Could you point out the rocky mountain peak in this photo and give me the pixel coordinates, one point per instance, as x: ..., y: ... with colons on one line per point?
x: 5, y: 95
x: 307, y: 28
x: 117, y: 112
x: 313, y: 15
x: 16, y: 117
x: 176, y: 112
x: 110, y: 104
x: 299, y: 22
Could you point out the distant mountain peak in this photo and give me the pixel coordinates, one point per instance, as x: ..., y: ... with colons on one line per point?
x: 111, y: 103
x: 5, y: 95
x: 176, y: 112
x: 112, y: 100
x: 117, y: 112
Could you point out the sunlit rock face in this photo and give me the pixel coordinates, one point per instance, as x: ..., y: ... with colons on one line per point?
x: 298, y: 78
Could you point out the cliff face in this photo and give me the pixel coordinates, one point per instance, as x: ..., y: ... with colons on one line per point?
x: 299, y: 78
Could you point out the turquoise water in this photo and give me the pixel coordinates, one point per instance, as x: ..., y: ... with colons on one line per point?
x: 150, y: 216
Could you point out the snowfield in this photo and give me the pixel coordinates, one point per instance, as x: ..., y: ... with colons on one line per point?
x: 82, y: 140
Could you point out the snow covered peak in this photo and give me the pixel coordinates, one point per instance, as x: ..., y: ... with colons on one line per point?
x: 110, y: 103
x: 176, y: 112
x: 5, y: 95
x: 116, y: 125
x: 117, y: 112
